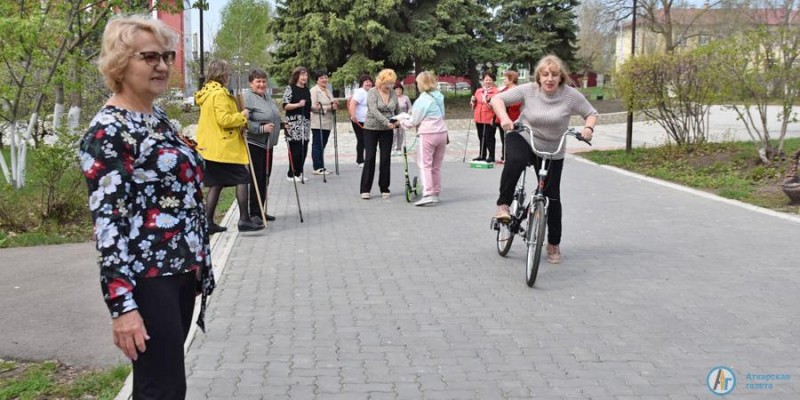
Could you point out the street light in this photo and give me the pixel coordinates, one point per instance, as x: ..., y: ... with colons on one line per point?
x: 201, y: 5
x: 629, y: 132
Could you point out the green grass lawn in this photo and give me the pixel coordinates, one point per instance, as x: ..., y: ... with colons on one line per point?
x: 731, y: 170
x: 53, y: 380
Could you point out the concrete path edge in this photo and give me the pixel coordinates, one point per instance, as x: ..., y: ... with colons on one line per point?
x: 221, y: 246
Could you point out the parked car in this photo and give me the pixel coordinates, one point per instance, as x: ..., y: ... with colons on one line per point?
x: 444, y: 86
x: 463, y: 86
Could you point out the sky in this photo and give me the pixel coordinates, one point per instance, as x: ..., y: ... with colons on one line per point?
x: 211, y: 20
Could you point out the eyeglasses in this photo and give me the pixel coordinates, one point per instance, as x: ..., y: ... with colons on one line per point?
x: 153, y: 58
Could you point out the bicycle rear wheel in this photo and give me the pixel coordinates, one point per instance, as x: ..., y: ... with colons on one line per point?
x: 504, y: 238
x: 537, y: 223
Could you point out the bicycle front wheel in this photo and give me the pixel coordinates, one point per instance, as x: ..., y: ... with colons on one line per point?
x: 504, y: 238
x: 537, y: 223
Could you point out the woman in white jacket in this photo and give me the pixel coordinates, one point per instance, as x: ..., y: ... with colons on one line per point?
x: 427, y: 116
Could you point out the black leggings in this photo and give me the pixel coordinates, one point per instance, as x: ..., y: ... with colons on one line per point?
x: 262, y: 165
x: 298, y: 150
x: 165, y: 304
x: 502, y: 143
x: 518, y: 156
x: 372, y: 140
x: 359, y: 130
x: 487, y: 140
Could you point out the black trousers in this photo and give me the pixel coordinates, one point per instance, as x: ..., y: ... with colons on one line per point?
x: 502, y: 143
x: 262, y: 165
x: 357, y: 128
x: 518, y: 156
x: 373, y: 139
x: 298, y: 150
x: 165, y: 304
x: 486, y: 137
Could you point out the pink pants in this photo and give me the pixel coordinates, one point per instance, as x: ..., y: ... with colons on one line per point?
x: 430, y: 158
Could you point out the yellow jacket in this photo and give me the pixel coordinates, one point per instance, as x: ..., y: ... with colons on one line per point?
x: 218, y: 137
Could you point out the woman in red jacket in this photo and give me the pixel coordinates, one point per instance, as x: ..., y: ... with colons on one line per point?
x: 509, y: 81
x: 484, y: 117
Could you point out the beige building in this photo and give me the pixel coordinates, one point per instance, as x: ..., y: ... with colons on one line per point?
x: 692, y: 27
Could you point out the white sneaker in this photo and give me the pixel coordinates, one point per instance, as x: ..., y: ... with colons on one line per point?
x: 425, y: 200
x: 290, y: 179
x: 435, y: 198
x: 360, y: 165
x: 321, y: 171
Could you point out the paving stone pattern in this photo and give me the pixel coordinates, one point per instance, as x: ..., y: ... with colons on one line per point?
x: 379, y: 299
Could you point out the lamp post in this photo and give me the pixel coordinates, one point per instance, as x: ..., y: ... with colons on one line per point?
x: 629, y: 131
x: 201, y: 5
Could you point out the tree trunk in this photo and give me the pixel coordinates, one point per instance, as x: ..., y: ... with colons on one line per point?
x: 58, y: 110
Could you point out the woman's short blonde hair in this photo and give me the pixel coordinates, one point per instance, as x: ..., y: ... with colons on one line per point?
x: 117, y: 45
x: 549, y: 61
x: 385, y: 76
x: 426, y: 81
x: 218, y: 71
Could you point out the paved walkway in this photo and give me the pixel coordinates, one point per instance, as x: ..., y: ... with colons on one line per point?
x: 382, y: 300
x: 379, y: 299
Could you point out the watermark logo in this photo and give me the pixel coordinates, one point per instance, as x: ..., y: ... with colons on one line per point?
x: 761, y: 381
x: 721, y: 380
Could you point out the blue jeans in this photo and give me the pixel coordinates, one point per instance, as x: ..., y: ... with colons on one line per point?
x: 319, y: 139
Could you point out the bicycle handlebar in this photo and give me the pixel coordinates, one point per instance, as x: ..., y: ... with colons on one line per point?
x: 519, y: 127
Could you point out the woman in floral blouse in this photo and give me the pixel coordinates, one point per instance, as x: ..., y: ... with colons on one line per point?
x: 145, y: 195
x: 297, y: 104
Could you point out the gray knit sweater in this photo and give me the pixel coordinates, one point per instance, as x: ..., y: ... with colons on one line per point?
x: 262, y: 110
x: 378, y: 112
x: 547, y: 115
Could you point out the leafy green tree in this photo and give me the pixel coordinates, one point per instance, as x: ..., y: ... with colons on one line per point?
x: 46, y: 47
x: 363, y: 36
x: 754, y: 70
x: 595, y: 39
x: 531, y: 29
x: 243, y: 39
x: 673, y: 89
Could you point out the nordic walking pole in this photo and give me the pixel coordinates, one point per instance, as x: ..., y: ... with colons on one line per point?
x: 255, y: 182
x: 303, y: 149
x: 466, y: 144
x: 294, y: 178
x: 335, y: 144
x: 322, y: 153
x: 269, y: 175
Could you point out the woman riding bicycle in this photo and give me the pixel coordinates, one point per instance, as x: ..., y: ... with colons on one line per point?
x: 547, y: 104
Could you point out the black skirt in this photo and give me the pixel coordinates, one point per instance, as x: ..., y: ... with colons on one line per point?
x: 225, y: 174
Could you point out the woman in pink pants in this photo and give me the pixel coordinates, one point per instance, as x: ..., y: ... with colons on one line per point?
x: 427, y: 115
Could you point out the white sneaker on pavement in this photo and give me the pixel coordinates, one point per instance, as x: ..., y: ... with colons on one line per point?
x: 425, y: 200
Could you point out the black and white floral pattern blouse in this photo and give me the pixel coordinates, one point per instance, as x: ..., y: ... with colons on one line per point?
x: 298, y: 121
x: 146, y: 199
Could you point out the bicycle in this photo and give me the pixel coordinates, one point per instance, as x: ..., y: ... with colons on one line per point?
x: 529, y: 213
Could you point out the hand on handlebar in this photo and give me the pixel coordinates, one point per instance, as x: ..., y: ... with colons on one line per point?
x: 587, y: 134
x: 507, y: 124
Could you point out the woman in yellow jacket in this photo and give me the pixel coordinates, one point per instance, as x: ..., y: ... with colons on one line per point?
x: 220, y: 142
